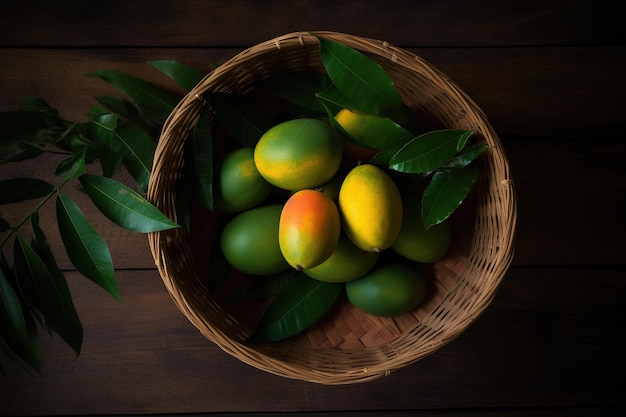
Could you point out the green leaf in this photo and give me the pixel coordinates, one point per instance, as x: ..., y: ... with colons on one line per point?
x: 240, y: 117
x: 126, y: 111
x: 332, y: 100
x: 20, y: 189
x: 298, y: 87
x: 445, y: 192
x: 362, y: 80
x: 154, y: 102
x: 185, y: 76
x: 86, y: 249
x: 140, y: 148
x: 24, y: 356
x: 21, y: 131
x: 111, y: 150
x: 462, y: 159
x: 429, y: 151
x: 62, y: 316
x: 202, y: 143
x: 124, y: 206
x: 30, y: 271
x: 263, y: 287
x: 298, y: 305
x: 18, y: 331
x: 72, y: 167
x: 79, y: 138
x: 382, y: 134
x: 11, y: 313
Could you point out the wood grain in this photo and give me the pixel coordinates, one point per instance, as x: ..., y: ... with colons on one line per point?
x: 244, y: 23
x: 144, y: 357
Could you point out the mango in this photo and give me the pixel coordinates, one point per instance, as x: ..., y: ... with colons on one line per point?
x: 239, y: 185
x: 249, y: 241
x: 415, y: 242
x: 387, y: 290
x: 345, y: 264
x: 309, y: 229
x: 299, y: 154
x: 370, y: 206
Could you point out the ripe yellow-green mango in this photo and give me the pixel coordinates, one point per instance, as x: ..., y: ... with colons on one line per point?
x: 309, y: 229
x: 414, y: 241
x: 346, y: 263
x: 299, y: 153
x: 370, y: 205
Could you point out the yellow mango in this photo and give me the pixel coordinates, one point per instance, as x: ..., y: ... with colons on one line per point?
x: 370, y: 206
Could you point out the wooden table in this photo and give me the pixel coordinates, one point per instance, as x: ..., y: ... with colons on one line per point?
x: 550, y: 76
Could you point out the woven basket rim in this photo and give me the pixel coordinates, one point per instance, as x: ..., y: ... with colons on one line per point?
x: 332, y: 366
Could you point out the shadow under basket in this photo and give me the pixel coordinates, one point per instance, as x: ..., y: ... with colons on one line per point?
x: 349, y: 346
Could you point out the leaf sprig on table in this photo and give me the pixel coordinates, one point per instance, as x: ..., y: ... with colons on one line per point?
x: 119, y: 135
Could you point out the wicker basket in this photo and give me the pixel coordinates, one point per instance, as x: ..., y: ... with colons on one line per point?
x: 350, y: 346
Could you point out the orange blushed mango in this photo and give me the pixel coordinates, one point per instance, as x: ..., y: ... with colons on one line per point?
x: 309, y: 229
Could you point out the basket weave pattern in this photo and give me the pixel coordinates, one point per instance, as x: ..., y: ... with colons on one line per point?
x: 349, y: 346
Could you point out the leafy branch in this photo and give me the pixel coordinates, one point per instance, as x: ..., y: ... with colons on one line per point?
x: 120, y: 134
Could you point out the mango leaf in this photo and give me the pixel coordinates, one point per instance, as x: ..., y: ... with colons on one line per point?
x: 30, y: 271
x: 72, y: 167
x: 62, y: 318
x: 263, y: 287
x: 462, y: 159
x: 18, y: 332
x: 111, y: 150
x: 332, y: 100
x: 298, y: 305
x: 154, y: 102
x: 240, y: 117
x: 382, y: 134
x: 20, y: 189
x: 124, y: 206
x: 362, y: 80
x: 202, y: 143
x: 185, y: 76
x: 429, y: 151
x: 445, y: 192
x: 298, y: 87
x: 86, y: 249
x: 140, y: 148
x: 11, y: 314
x: 126, y: 111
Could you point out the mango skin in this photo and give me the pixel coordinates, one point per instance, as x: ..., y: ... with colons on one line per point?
x: 346, y: 263
x: 299, y: 154
x: 371, y: 208
x: 387, y: 290
x: 240, y: 186
x: 309, y: 229
x: 415, y: 242
x: 249, y: 241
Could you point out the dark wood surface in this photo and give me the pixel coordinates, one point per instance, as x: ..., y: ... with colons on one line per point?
x: 550, y: 76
